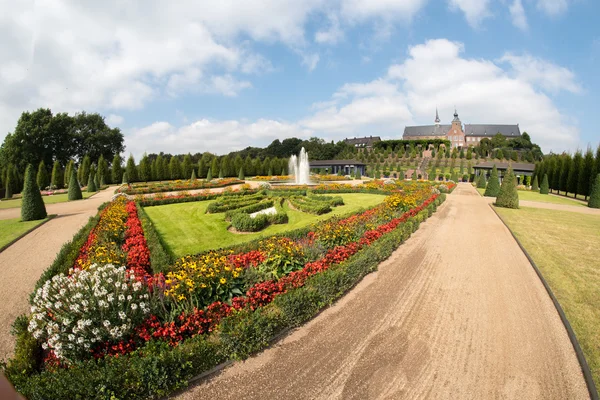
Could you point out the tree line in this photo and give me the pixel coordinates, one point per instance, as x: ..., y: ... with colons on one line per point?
x: 568, y: 173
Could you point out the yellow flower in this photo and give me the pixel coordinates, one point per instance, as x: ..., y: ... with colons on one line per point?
x: 223, y: 281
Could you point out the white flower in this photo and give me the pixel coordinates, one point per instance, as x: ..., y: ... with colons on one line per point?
x: 122, y: 315
x: 129, y: 297
x: 71, y: 337
x: 121, y: 297
x: 134, y: 306
x: 106, y: 323
x: 45, y: 346
x: 79, y: 340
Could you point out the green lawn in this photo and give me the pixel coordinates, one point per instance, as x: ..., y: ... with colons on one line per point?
x: 564, y: 245
x: 10, y: 229
x: 542, y: 198
x: 56, y: 198
x: 188, y: 230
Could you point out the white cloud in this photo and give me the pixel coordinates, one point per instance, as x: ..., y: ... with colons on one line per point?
x: 553, y: 7
x: 542, y: 73
x: 310, y: 60
x: 475, y: 10
x: 517, y: 13
x: 359, y: 10
x: 114, y: 120
x: 333, y: 34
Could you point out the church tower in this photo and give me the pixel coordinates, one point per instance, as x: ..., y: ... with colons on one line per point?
x: 437, y: 117
x: 456, y: 136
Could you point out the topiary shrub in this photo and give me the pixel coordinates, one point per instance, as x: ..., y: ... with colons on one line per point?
x: 493, y: 187
x: 74, y: 189
x: 481, y: 181
x: 125, y: 178
x: 209, y: 175
x: 594, y: 201
x: 535, y: 185
x: 508, y: 196
x: 241, y: 175
x: 193, y: 178
x: 545, y: 188
x: 32, y: 207
x: 91, y: 186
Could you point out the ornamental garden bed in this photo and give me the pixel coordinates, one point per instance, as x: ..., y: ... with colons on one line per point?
x: 116, y: 317
x: 174, y: 186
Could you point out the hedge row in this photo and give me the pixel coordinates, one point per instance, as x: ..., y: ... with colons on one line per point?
x: 287, y: 192
x: 159, y: 188
x: 311, y: 207
x: 333, y: 201
x: 157, y: 369
x: 243, y: 222
x: 249, y: 209
x: 188, y: 199
x: 226, y: 204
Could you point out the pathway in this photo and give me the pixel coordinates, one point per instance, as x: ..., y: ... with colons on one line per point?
x: 457, y: 312
x: 552, y: 206
x: 22, y: 263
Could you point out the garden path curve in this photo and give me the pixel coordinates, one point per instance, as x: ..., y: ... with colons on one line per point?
x: 553, y: 206
x: 457, y: 312
x: 22, y: 263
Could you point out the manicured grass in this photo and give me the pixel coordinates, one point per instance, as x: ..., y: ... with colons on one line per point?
x: 56, y: 198
x: 564, y: 245
x: 187, y: 229
x: 11, y: 229
x: 542, y: 198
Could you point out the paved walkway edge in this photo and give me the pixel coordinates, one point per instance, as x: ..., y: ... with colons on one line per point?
x: 21, y: 236
x: 587, y: 374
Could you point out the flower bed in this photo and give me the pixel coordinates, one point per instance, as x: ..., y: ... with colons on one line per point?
x: 329, y: 178
x: 177, y: 186
x: 272, y: 178
x: 225, y: 291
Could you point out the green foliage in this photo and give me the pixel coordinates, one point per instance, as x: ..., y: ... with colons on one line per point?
x: 91, y: 185
x: 545, y: 188
x: 414, y: 175
x: 186, y: 166
x: 102, y: 172
x: 74, y: 188
x: 67, y: 175
x: 131, y: 170
x: 42, y: 176
x: 584, y: 180
x: 574, y: 172
x: 241, y: 175
x: 32, y: 206
x: 57, y: 176
x: 209, y: 175
x: 594, y: 201
x: 125, y: 179
x: 535, y: 185
x: 116, y: 169
x: 144, y: 170
x: 508, y: 196
x: 357, y: 174
x: 193, y: 178
x: 493, y: 187
x: 84, y: 170
x: 481, y: 183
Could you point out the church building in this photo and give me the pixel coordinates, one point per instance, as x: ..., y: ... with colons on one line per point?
x: 459, y: 136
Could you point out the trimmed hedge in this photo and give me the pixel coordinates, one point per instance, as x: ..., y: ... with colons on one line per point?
x: 249, y: 209
x: 188, y: 199
x: 157, y: 369
x: 307, y: 206
x: 245, y: 223
x: 333, y: 201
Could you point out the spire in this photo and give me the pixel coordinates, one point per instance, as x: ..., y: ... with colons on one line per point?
x: 455, y: 115
x: 437, y: 117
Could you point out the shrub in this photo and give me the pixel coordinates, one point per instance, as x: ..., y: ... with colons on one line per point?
x: 32, y: 207
x: 311, y: 207
x: 493, y: 187
x: 125, y: 178
x: 193, y: 178
x: 91, y: 185
x: 594, y: 201
x: 544, y: 189
x: 481, y: 181
x: 42, y: 176
x: 241, y: 175
x: 535, y: 185
x: 249, y: 209
x: 508, y: 196
x: 245, y: 223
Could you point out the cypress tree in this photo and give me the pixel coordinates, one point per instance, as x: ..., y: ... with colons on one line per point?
x: 209, y: 175
x: 42, y: 176
x: 454, y: 176
x: 555, y: 184
x: 357, y: 174
x: 534, y: 185
x: 587, y: 165
x: 126, y: 180
x: 574, y: 173
x: 91, y: 185
x: 131, y: 170
x: 462, y: 153
x: 595, y: 194
x: 493, y: 187
x: 96, y: 181
x: 193, y: 178
x: 241, y: 176
x: 67, y: 174
x: 144, y: 169
x: 481, y: 181
x: 160, y: 171
x: 32, y: 207
x: 175, y: 168
x: 164, y: 168
x: 565, y: 166
x: 57, y: 178
x: 74, y: 189
x: 414, y: 175
x: 221, y: 173
x: 186, y: 166
x: 508, y: 196
x: 85, y: 169
x: 116, y: 172
x: 9, y: 185
x: 201, y: 168
x: 544, y: 189
x: 432, y: 173
x: 102, y: 172
x: 214, y: 166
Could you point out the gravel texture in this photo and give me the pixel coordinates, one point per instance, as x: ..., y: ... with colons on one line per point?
x: 457, y: 312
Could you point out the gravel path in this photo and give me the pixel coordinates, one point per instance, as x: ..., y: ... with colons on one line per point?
x: 552, y: 206
x: 457, y: 312
x: 22, y: 263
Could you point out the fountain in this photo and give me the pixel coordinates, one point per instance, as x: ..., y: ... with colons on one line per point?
x: 299, y: 168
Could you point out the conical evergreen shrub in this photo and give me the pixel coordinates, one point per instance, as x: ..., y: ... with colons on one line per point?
x: 594, y: 201
x: 96, y: 182
x: 209, y: 175
x: 481, y: 181
x: 508, y: 196
x: 74, y: 189
x: 544, y: 189
x: 241, y: 176
x: 125, y: 178
x: 32, y: 207
x: 221, y: 173
x: 91, y: 186
x: 414, y: 176
x: 8, y: 193
x: 193, y: 178
x: 535, y: 185
x: 493, y: 187
x: 357, y: 174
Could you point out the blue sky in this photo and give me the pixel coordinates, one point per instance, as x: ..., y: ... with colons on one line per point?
x: 206, y: 76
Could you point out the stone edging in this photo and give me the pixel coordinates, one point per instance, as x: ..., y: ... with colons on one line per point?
x: 587, y: 374
x: 7, y: 245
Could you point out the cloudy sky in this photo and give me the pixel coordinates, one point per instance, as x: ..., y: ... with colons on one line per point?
x: 194, y: 76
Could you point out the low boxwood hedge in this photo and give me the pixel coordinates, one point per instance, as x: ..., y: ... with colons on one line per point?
x: 249, y: 209
x: 311, y: 207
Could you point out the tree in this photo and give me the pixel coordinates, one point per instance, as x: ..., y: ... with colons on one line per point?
x: 595, y: 168
x: 535, y: 185
x: 357, y: 174
x: 499, y: 154
x: 498, y: 141
x: 544, y: 189
x: 91, y: 185
x: 186, y: 166
x: 201, y: 168
x: 432, y: 173
x: 9, y: 185
x: 102, y: 172
x: 241, y: 176
x: 32, y: 206
x: 193, y: 178
x: 209, y: 175
x: 574, y: 172
x: 116, y: 173
x: 462, y: 153
x: 594, y: 201
x: 42, y: 176
x: 131, y: 170
x: 565, y: 167
x: 583, y: 183
x: 214, y: 166
x: 493, y: 187
x: 74, y: 188
x: 126, y: 180
x: 91, y: 136
x: 508, y: 196
x: 84, y: 170
x: 481, y: 181
x: 145, y: 169
x: 469, y: 153
x: 57, y: 179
